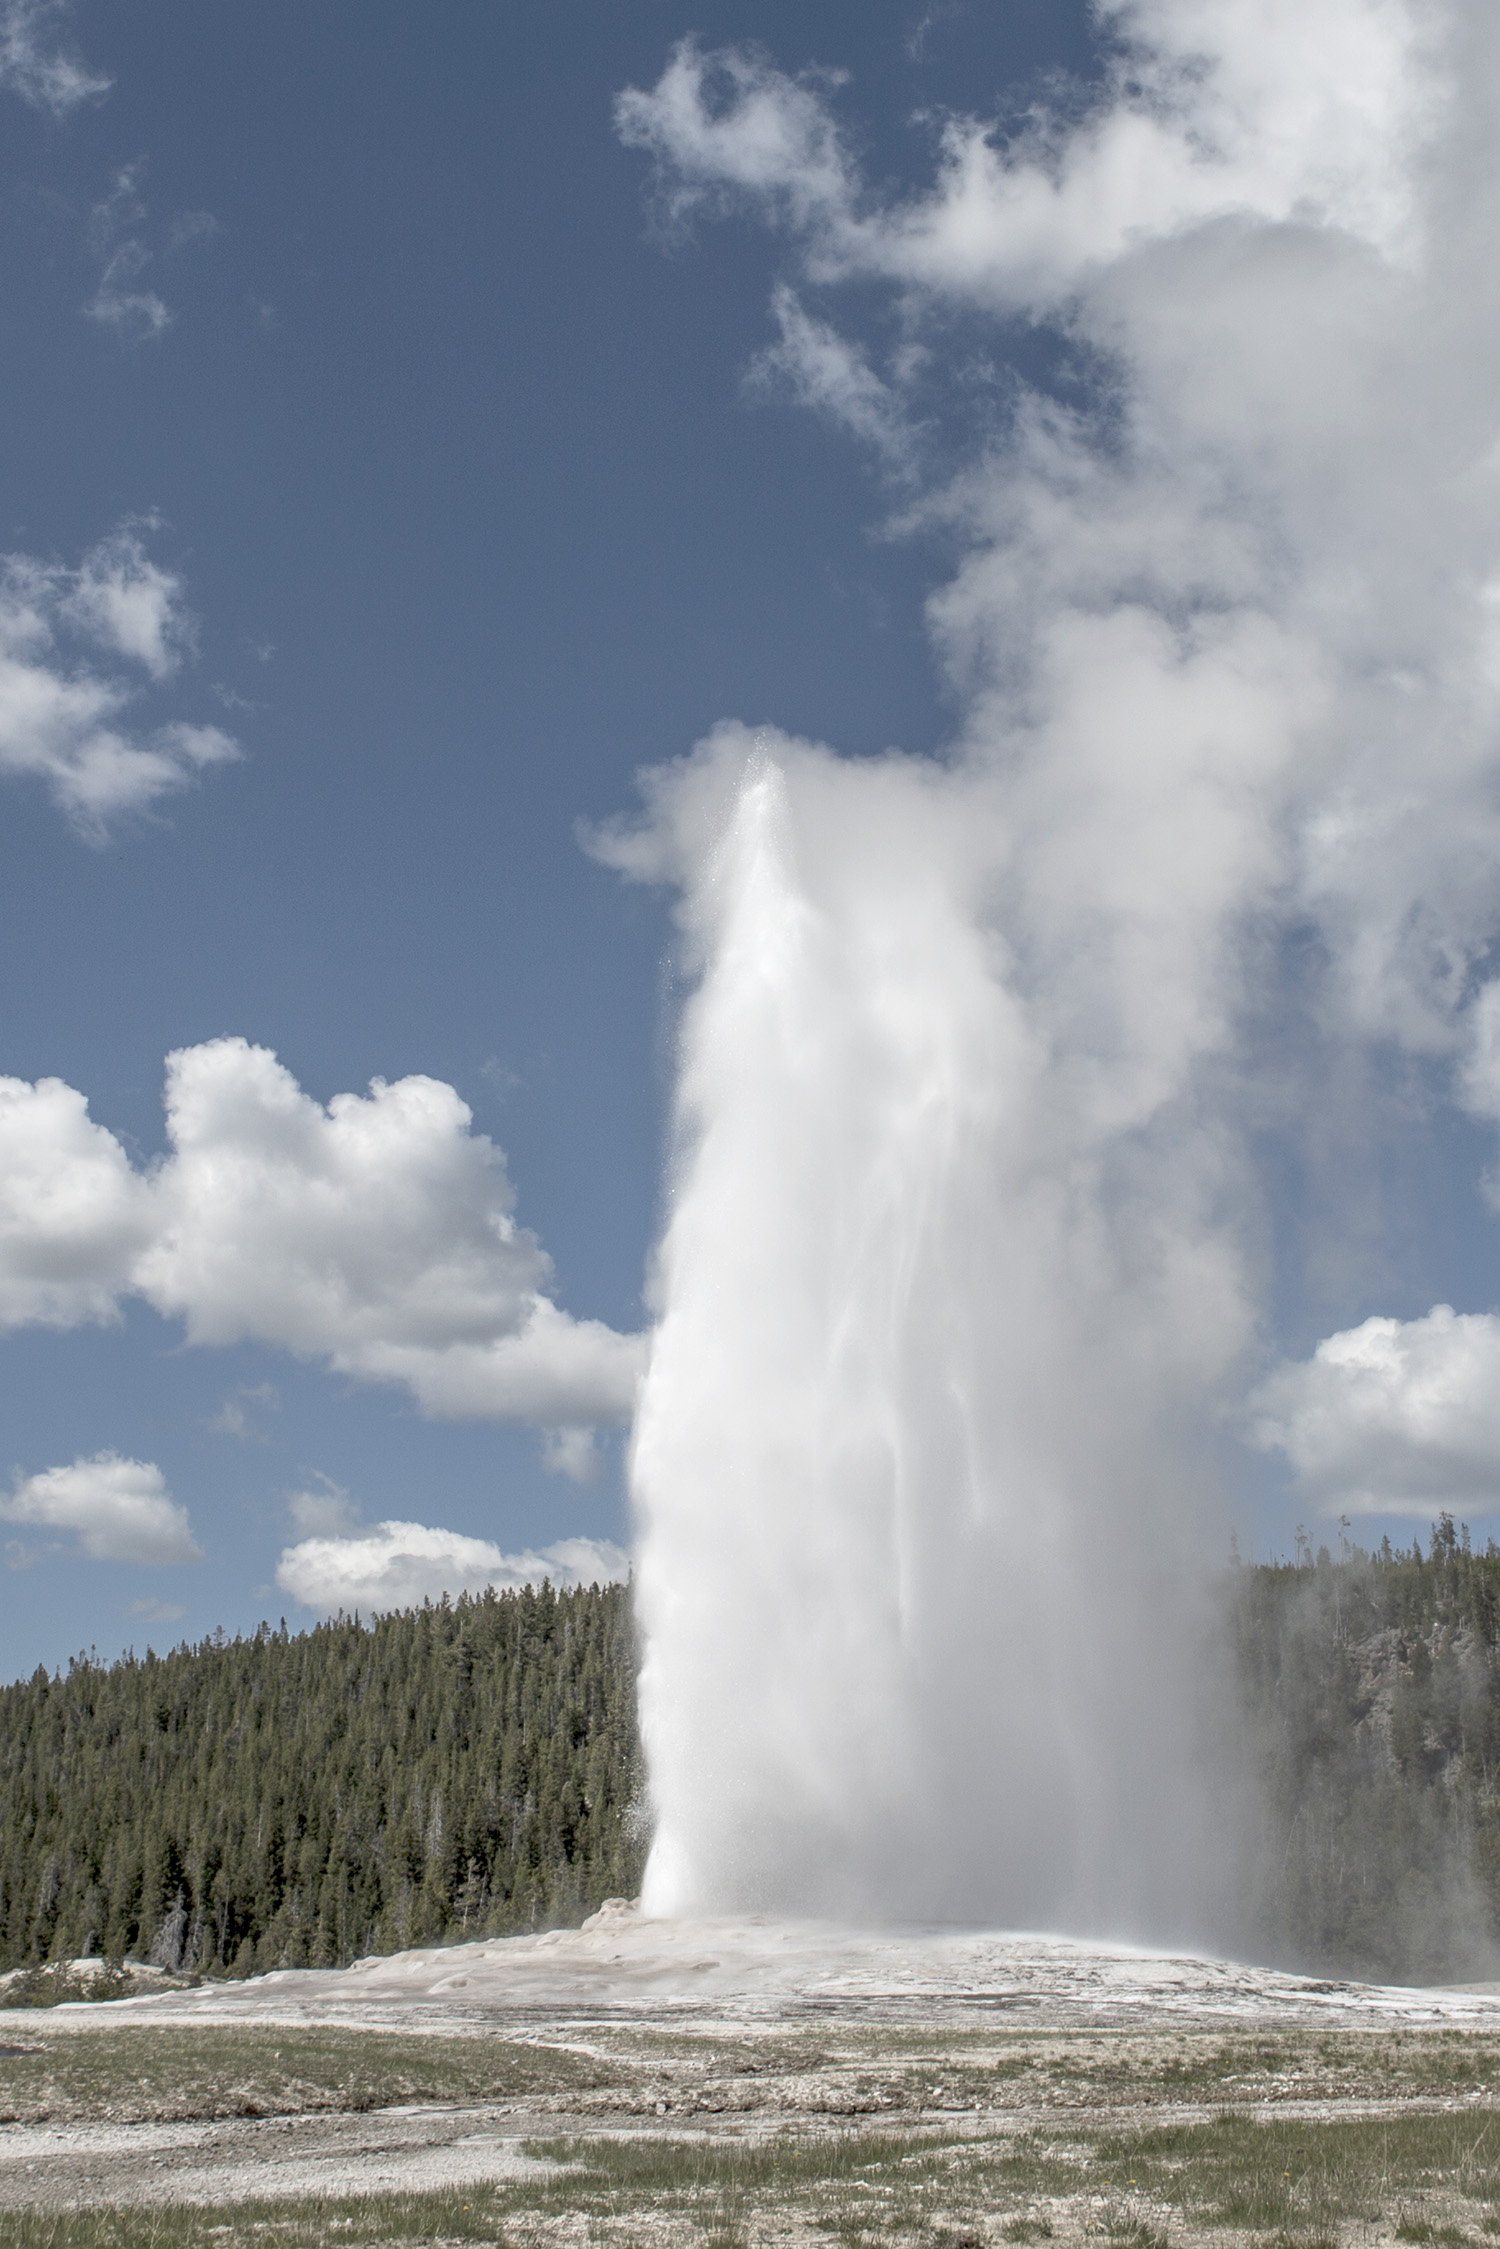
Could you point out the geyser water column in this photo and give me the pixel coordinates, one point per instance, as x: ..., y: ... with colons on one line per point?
x: 904, y: 1505
x: 965, y: 1257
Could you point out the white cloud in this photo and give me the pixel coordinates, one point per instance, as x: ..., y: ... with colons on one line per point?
x: 127, y: 603
x: 34, y: 65
x: 1209, y: 112
x: 1392, y: 1417
x: 152, y: 1611
x: 236, y: 1416
x: 119, y: 1510
x: 1226, y: 635
x: 74, y: 1216
x: 1478, y: 1075
x: 555, y: 1371
x: 135, y: 314
x: 327, y: 1512
x: 728, y: 124
x: 377, y: 1234
x: 573, y: 1453
x: 818, y: 367
x: 59, y: 718
x: 400, y: 1565
x: 379, y: 1222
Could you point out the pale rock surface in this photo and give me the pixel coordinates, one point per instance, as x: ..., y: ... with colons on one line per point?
x: 621, y: 1961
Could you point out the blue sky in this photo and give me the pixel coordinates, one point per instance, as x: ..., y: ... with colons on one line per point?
x: 362, y: 325
x: 453, y: 462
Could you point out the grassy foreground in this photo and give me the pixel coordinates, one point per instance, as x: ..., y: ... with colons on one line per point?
x: 1142, y: 2138
x: 135, y: 2075
x: 1300, y: 2184
x: 138, y: 2073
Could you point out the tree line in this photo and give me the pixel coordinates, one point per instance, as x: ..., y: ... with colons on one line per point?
x: 1369, y: 1726
x: 300, y: 1800
x: 473, y: 1769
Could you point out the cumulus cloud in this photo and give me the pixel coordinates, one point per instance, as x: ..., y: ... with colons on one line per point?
x: 400, y: 1565
x: 34, y: 62
x: 60, y: 715
x: 118, y: 1510
x: 74, y: 1216
x: 377, y: 1234
x: 265, y: 1213
x: 1278, y: 113
x: 1392, y: 1417
x: 129, y: 604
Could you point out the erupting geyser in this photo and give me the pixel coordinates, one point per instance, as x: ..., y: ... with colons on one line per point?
x: 961, y: 1274
x: 898, y: 1464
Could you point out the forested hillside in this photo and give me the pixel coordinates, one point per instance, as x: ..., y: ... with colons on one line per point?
x: 290, y: 1801
x: 1370, y: 1706
x: 473, y: 1770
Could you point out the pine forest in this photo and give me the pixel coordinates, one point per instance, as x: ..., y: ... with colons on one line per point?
x: 299, y: 1800
x: 1369, y: 1715
x: 472, y: 1769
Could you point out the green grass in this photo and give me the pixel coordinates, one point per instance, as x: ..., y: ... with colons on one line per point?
x: 1285, y: 2177
x: 316, y: 2223
x: 56, y: 1985
x: 1133, y: 2175
x: 1293, y: 2186
x: 138, y: 2074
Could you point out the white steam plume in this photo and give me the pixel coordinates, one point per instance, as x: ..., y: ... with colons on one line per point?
x: 962, y: 1272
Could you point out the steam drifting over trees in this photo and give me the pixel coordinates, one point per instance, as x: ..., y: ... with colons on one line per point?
x: 473, y: 1770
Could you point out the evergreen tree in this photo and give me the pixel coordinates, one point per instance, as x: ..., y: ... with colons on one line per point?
x: 460, y: 1770
x: 1370, y: 1695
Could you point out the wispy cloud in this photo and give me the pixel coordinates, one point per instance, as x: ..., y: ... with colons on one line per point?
x: 128, y: 604
x: 118, y: 239
x: 325, y: 1511
x: 189, y: 227
x: 35, y: 62
x: 236, y: 1416
x: 60, y: 717
x: 152, y: 1611
x: 118, y: 302
x: 573, y: 1453
x: 813, y: 365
